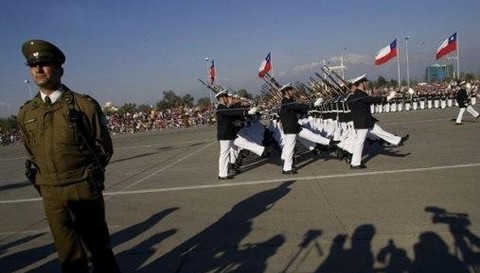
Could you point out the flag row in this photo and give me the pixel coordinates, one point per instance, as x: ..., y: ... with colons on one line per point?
x: 390, y: 51
x: 383, y: 56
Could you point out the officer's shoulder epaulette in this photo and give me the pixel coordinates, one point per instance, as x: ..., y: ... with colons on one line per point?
x: 32, y: 102
x: 85, y: 97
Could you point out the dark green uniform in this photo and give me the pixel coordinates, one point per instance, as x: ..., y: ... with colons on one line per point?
x: 69, y: 177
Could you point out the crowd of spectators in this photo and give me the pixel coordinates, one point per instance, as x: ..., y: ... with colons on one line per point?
x: 161, y: 120
x: 9, y: 136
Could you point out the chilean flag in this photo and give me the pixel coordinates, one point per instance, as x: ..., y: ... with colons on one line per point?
x: 212, y: 72
x: 387, y: 53
x: 447, y: 46
x: 265, y: 66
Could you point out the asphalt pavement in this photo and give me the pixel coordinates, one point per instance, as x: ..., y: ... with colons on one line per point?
x: 415, y: 208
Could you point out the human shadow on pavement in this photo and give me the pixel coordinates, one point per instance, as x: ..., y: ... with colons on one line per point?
x: 27, y: 257
x: 358, y: 258
x: 430, y: 253
x: 21, y: 259
x: 15, y: 185
x: 467, y: 244
x: 308, y: 244
x: 136, y: 255
x: 218, y: 247
x: 133, y: 258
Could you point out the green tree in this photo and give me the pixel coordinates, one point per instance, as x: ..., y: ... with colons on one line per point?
x: 8, y: 123
x: 381, y: 81
x: 162, y: 105
x: 145, y: 108
x: 393, y: 83
x: 244, y: 93
x: 188, y: 100
x: 469, y: 77
x: 127, y: 108
x: 203, y: 102
x: 171, y: 98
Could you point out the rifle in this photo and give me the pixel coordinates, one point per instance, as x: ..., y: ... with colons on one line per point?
x: 212, y: 88
x: 327, y: 83
x: 339, y: 87
x: 273, y: 81
x: 345, y: 83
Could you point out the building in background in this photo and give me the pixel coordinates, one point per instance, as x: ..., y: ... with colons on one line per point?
x: 439, y: 73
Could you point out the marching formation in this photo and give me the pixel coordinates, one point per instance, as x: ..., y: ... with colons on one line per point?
x: 330, y: 115
x: 334, y: 116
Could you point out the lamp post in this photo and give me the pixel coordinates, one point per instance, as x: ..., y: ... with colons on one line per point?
x: 27, y: 82
x: 406, y: 54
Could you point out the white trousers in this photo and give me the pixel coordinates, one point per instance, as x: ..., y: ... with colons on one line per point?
x: 380, y: 133
x: 361, y: 135
x: 415, y: 105
x: 462, y: 110
x: 224, y: 157
x: 288, y: 150
x: 317, y: 138
x: 246, y: 144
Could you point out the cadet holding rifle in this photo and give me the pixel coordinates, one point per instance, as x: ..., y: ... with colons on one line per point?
x: 69, y: 146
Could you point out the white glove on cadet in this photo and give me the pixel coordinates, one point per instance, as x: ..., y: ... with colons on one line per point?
x: 318, y: 102
x: 391, y: 95
x: 252, y: 110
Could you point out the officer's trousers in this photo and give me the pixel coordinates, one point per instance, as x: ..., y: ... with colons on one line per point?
x: 462, y: 110
x: 76, y: 215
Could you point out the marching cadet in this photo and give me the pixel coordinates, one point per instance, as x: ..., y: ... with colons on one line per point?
x: 290, y: 110
x: 67, y: 140
x: 463, y: 103
x: 226, y: 131
x: 363, y: 121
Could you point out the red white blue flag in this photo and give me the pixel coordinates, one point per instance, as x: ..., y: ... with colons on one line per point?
x: 212, y: 72
x: 447, y: 46
x: 386, y: 54
x: 265, y: 67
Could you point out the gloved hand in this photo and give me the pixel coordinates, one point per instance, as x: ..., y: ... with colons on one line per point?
x: 391, y: 95
x: 318, y: 102
x: 237, y: 123
x: 252, y: 111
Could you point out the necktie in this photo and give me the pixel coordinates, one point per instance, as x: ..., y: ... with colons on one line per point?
x: 48, y: 101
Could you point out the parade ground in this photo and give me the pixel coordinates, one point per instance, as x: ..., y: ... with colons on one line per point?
x: 415, y: 208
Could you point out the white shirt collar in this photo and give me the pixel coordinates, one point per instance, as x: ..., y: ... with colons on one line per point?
x: 54, y: 96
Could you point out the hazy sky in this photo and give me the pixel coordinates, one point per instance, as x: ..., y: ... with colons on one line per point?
x: 132, y: 51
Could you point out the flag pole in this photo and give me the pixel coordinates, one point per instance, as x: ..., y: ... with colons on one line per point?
x: 208, y: 74
x: 458, y: 59
x: 406, y: 55
x: 398, y: 63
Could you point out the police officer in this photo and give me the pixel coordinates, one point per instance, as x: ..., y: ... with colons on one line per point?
x: 67, y: 140
x: 363, y: 121
x: 463, y: 103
